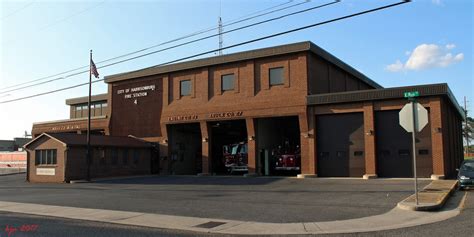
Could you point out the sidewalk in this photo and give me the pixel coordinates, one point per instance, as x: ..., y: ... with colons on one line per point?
x: 432, y: 197
x: 396, y: 218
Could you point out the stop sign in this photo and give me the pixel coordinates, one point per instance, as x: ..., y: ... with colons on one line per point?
x: 406, y: 117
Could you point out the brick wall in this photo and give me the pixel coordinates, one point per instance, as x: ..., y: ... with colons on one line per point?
x: 13, y: 159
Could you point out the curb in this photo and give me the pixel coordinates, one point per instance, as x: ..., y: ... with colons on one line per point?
x: 440, y: 190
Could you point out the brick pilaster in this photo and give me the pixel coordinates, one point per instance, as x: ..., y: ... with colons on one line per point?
x: 252, y: 146
x: 437, y: 136
x: 369, y: 141
x: 206, y: 148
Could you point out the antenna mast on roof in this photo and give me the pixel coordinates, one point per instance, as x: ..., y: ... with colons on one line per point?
x: 220, y: 29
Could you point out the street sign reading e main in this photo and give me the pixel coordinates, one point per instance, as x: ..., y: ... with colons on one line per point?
x: 411, y: 94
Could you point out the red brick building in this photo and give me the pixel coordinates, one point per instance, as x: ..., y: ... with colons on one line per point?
x: 296, y: 95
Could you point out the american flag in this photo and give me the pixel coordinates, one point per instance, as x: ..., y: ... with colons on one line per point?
x: 94, y: 70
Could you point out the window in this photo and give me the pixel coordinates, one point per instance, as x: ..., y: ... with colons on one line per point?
x: 276, y: 76
x: 423, y: 152
x: 136, y: 156
x: 125, y: 156
x: 185, y: 87
x: 102, y: 156
x: 93, y: 106
x: 227, y: 82
x: 114, y: 156
x: 78, y: 111
x: 46, y: 157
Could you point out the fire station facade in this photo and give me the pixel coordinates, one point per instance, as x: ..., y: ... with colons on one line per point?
x: 296, y: 95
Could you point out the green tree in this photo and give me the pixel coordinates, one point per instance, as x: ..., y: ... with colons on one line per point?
x: 468, y: 132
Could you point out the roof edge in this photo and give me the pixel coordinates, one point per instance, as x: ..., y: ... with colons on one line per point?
x: 210, y: 61
x: 70, y: 120
x: 43, y: 134
x: 385, y: 93
x: 84, y: 99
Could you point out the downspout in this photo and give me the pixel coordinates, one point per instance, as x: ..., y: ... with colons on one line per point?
x: 28, y: 165
x: 65, y: 179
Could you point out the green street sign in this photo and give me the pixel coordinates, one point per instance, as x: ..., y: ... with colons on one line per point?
x: 411, y: 94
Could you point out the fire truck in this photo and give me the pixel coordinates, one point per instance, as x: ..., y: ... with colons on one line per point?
x: 287, y: 158
x: 236, y: 157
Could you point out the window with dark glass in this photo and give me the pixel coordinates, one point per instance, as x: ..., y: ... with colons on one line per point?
x: 276, y: 76
x: 136, y: 156
x: 228, y: 82
x: 102, y: 156
x: 185, y: 87
x: 46, y: 157
x: 125, y: 156
x: 114, y: 156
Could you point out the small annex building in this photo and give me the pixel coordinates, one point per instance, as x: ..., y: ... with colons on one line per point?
x: 61, y: 157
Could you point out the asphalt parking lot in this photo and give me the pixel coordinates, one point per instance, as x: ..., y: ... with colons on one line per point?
x: 260, y: 199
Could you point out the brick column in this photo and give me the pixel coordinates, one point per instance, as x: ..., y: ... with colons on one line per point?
x: 369, y: 141
x: 252, y: 146
x: 165, y: 154
x: 437, y: 137
x: 206, y: 148
x: 307, y: 145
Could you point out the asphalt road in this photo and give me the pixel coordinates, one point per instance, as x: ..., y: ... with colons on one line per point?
x: 249, y: 199
x: 458, y: 226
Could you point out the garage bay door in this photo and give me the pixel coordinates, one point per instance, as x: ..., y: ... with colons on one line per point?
x: 393, y: 146
x: 340, y: 145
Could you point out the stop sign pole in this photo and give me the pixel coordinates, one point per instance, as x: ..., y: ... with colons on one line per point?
x: 413, y: 139
x: 413, y: 118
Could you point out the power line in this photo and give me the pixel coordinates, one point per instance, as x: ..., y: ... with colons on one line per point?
x: 67, y: 17
x: 235, y: 21
x: 17, y: 10
x: 179, y: 45
x: 227, y: 47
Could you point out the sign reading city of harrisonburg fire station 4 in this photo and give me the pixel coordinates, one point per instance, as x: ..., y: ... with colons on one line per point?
x: 135, y: 92
x: 406, y: 117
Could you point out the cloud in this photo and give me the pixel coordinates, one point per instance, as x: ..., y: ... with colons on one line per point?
x: 395, y: 67
x: 437, y: 2
x: 450, y: 46
x: 426, y: 56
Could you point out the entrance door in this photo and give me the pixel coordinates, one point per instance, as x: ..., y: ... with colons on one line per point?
x: 186, y: 148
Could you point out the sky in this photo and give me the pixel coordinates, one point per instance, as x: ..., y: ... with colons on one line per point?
x: 421, y: 42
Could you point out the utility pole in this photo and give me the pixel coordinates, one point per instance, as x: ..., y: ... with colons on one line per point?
x: 88, y: 178
x: 221, y: 40
x: 220, y: 29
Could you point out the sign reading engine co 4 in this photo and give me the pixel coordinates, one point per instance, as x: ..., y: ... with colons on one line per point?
x: 406, y: 117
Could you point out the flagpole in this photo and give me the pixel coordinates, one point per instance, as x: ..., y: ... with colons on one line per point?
x: 89, y: 121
